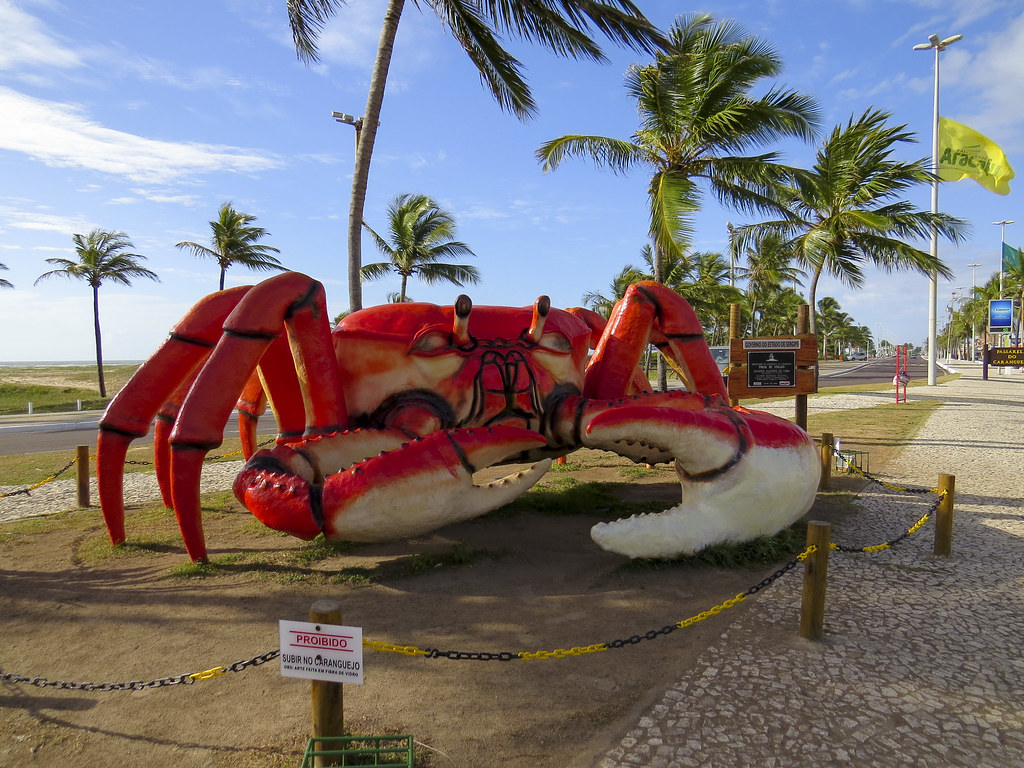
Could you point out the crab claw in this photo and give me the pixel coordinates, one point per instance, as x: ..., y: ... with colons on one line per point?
x: 417, y: 487
x: 743, y: 474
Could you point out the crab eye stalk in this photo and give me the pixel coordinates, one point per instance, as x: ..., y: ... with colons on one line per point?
x: 540, y: 315
x: 460, y: 324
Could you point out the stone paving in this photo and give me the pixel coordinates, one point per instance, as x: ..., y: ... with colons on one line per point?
x: 921, y: 661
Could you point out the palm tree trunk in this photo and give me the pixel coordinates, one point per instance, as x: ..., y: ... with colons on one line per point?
x: 364, y: 150
x: 222, y: 271
x: 99, y: 342
x: 812, y: 290
x: 401, y: 295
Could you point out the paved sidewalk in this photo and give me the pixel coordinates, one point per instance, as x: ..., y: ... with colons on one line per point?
x: 921, y: 662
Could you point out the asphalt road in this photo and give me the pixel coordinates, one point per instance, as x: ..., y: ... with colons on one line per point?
x: 880, y: 371
x: 38, y: 433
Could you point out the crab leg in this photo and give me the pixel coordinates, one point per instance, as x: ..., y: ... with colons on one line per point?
x: 410, y: 488
x: 743, y: 474
x: 292, y: 301
x: 651, y: 312
x: 129, y: 414
x: 277, y: 383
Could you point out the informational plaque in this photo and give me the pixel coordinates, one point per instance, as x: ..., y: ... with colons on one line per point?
x: 771, y: 369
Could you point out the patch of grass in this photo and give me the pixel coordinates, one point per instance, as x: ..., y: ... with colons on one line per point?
x: 637, y: 471
x: 764, y: 550
x: 563, y: 496
x: 882, y: 430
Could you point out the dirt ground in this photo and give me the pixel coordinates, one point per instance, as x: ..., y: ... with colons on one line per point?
x: 69, y: 612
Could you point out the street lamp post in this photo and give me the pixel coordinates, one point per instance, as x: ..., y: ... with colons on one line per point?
x: 974, y: 326
x: 938, y: 46
x: 355, y: 122
x: 949, y: 328
x: 1002, y: 239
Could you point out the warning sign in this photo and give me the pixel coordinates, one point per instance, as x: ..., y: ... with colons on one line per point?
x: 322, y: 652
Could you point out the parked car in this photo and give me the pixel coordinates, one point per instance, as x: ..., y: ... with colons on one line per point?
x: 858, y: 356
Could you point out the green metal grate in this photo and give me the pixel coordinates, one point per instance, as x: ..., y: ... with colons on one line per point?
x: 859, y: 459
x: 380, y: 751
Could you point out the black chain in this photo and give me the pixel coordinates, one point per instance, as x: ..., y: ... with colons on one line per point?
x: 766, y: 582
x: 54, y: 476
x: 434, y: 653
x: 668, y: 629
x: 134, y: 685
x: 892, y: 542
x: 875, y: 480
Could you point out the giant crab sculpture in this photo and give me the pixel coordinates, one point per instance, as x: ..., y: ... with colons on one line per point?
x: 383, y: 421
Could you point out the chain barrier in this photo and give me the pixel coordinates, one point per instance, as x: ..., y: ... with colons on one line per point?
x: 128, y: 462
x: 846, y: 459
x: 138, y: 685
x: 892, y: 542
x: 563, y: 653
x: 50, y: 479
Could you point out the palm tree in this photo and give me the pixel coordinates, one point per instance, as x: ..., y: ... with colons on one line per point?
x: 602, y: 304
x: 562, y: 28
x: 102, y: 256
x: 5, y: 283
x: 769, y: 268
x: 421, y: 240
x: 696, y: 118
x: 234, y: 241
x: 847, y: 210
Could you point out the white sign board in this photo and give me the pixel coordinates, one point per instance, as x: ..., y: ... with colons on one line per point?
x: 771, y: 344
x: 322, y: 652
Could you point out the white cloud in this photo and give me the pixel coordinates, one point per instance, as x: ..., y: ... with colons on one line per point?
x: 61, y: 136
x: 25, y: 43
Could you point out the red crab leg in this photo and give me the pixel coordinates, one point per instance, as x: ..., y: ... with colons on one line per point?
x: 162, y: 426
x: 129, y: 414
x: 252, y: 404
x: 651, y: 312
x: 597, y: 324
x: 294, y: 301
x: 277, y: 383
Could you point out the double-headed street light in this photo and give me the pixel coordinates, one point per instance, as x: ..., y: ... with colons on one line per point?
x: 355, y: 122
x: 934, y: 43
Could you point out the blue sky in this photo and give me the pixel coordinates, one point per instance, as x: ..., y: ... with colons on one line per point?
x: 146, y: 117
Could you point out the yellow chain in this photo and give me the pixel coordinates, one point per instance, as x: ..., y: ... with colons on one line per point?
x: 408, y: 650
x: 209, y: 673
x: 561, y: 653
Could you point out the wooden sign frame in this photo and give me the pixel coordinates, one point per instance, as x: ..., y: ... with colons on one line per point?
x: 790, y: 372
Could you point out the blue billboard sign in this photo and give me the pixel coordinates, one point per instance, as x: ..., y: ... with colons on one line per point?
x: 1000, y: 315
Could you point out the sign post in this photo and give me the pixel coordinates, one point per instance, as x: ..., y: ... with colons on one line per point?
x: 327, y: 654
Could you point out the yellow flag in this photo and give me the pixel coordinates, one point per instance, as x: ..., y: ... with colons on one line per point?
x: 965, y: 152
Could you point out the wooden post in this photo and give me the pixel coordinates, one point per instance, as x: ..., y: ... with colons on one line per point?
x: 802, y: 326
x: 328, y: 711
x: 735, y: 321
x: 827, y: 458
x: 812, y: 612
x: 944, y: 516
x: 82, y: 470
